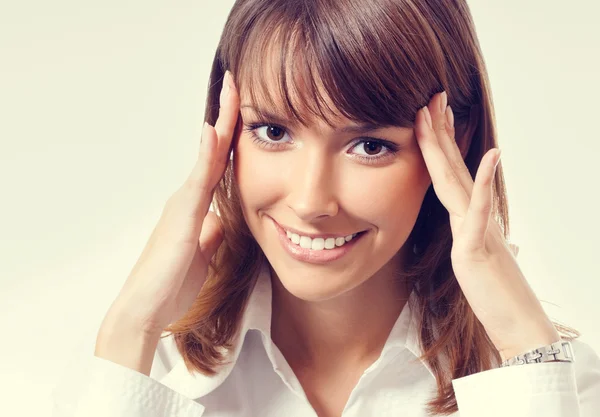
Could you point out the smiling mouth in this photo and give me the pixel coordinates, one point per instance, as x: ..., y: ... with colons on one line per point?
x: 320, y: 243
x: 317, y: 249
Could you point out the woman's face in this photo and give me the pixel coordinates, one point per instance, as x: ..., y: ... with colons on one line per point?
x: 329, y: 183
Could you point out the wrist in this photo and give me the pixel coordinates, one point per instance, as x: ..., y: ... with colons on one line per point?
x: 529, y: 345
x: 126, y: 344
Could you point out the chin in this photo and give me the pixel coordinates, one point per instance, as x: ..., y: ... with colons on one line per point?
x: 304, y: 284
x: 318, y: 282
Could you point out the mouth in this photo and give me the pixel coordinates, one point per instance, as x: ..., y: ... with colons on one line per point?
x: 317, y: 249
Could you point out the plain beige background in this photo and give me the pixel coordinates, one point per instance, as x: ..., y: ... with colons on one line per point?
x: 101, y: 105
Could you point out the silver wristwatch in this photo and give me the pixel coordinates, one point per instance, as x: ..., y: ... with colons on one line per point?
x: 559, y: 351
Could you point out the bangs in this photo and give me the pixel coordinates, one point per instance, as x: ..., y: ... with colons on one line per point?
x: 310, y: 63
x: 278, y: 75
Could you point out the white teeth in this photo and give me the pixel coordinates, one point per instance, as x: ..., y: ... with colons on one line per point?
x: 296, y: 238
x: 330, y: 243
x: 305, y: 242
x: 318, y: 243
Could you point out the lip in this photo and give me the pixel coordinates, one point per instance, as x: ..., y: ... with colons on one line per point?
x: 310, y: 235
x: 314, y: 256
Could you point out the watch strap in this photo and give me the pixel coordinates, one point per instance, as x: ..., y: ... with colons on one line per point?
x: 559, y: 351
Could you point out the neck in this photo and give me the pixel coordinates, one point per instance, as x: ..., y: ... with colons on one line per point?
x: 347, y: 330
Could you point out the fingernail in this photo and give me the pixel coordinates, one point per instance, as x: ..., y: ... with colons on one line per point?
x: 225, y: 88
x: 230, y: 80
x: 203, y: 131
x: 498, y: 152
x: 428, y: 117
x: 444, y: 102
x: 450, y: 116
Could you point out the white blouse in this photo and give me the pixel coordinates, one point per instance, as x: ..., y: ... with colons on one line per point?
x: 259, y: 381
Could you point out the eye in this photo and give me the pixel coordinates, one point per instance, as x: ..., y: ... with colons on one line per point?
x: 267, y: 135
x: 274, y: 133
x: 371, y: 147
x: 372, y: 150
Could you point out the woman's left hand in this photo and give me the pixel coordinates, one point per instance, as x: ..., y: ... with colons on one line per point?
x: 484, y: 265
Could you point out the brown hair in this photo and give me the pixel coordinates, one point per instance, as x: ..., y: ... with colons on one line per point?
x: 378, y: 61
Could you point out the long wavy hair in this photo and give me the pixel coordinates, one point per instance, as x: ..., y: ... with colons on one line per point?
x: 375, y: 61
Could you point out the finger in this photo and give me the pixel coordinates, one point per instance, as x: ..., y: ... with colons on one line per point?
x: 514, y: 249
x: 445, y: 182
x: 443, y: 125
x: 478, y: 216
x: 210, y: 239
x: 211, y: 236
x: 447, y: 134
x: 196, y: 192
x: 228, y: 114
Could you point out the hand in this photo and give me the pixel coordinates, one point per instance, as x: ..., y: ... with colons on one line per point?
x: 173, y: 266
x: 485, y: 268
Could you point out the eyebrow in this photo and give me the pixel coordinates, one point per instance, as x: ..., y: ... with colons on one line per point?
x: 356, y: 129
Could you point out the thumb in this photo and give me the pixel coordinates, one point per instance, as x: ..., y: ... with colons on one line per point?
x: 514, y: 248
x: 211, y: 235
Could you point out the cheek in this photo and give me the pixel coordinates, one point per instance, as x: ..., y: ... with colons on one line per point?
x: 255, y: 176
x: 391, y: 197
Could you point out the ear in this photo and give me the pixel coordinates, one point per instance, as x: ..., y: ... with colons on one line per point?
x: 465, y: 131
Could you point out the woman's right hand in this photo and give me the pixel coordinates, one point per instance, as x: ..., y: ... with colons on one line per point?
x: 173, y: 266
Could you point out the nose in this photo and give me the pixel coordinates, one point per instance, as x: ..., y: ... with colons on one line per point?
x: 311, y: 193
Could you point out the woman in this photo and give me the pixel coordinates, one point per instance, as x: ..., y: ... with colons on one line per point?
x: 359, y: 262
